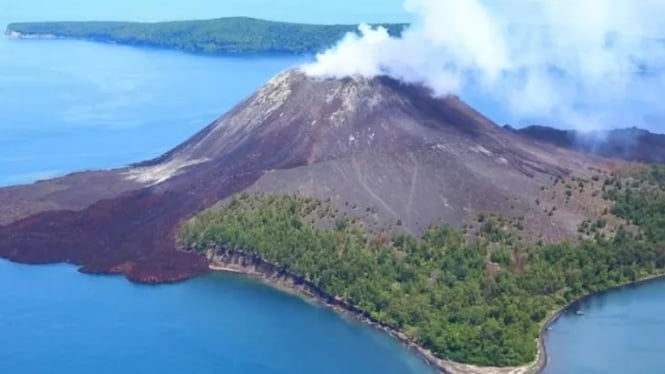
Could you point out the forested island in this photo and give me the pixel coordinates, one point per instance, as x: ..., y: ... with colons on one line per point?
x: 216, y: 36
x: 479, y: 294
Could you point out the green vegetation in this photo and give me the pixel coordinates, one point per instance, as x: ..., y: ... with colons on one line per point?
x: 224, y: 35
x: 640, y: 199
x: 479, y: 300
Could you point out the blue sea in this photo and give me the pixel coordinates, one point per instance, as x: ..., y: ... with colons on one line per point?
x: 55, y: 320
x: 620, y: 332
x: 71, y: 105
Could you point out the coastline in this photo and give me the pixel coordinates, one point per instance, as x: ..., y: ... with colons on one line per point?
x: 11, y: 34
x: 251, y: 265
x: 208, y: 37
x: 243, y: 263
x: 229, y: 53
x: 543, y: 358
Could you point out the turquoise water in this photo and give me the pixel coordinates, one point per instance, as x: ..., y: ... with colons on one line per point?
x: 55, y: 320
x: 67, y: 105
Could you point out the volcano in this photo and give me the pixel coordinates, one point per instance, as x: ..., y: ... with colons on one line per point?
x: 387, y: 153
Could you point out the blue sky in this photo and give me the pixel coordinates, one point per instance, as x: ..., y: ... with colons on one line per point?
x: 154, y: 10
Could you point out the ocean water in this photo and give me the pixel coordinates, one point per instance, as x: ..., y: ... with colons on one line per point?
x: 71, y: 105
x: 55, y: 320
x: 621, y: 332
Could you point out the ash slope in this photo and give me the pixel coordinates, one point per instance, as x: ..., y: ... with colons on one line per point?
x: 387, y: 153
x: 631, y: 144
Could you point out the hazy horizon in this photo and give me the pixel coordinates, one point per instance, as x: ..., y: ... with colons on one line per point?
x: 169, y: 10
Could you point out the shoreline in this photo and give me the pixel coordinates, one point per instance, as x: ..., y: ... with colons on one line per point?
x: 15, y: 35
x: 241, y: 263
x: 11, y: 34
x: 253, y: 266
x: 542, y: 347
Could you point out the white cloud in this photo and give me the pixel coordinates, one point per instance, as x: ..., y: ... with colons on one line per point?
x: 568, y: 59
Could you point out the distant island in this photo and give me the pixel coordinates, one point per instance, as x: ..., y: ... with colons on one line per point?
x: 216, y: 36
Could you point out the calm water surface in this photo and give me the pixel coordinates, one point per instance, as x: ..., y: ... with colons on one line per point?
x: 55, y: 320
x: 68, y: 105
x: 621, y: 332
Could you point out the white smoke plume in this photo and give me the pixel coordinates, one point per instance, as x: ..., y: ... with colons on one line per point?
x: 580, y: 61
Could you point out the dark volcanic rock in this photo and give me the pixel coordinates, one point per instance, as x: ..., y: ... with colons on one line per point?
x: 389, y: 154
x: 630, y: 144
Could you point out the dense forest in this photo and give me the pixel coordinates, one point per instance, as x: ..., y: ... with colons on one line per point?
x: 475, y: 296
x: 224, y: 35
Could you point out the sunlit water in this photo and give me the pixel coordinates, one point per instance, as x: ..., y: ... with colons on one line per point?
x: 71, y: 105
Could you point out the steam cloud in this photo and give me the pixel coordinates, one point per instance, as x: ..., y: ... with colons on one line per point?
x: 583, y: 62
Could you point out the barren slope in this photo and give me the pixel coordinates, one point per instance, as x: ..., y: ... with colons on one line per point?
x: 631, y: 144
